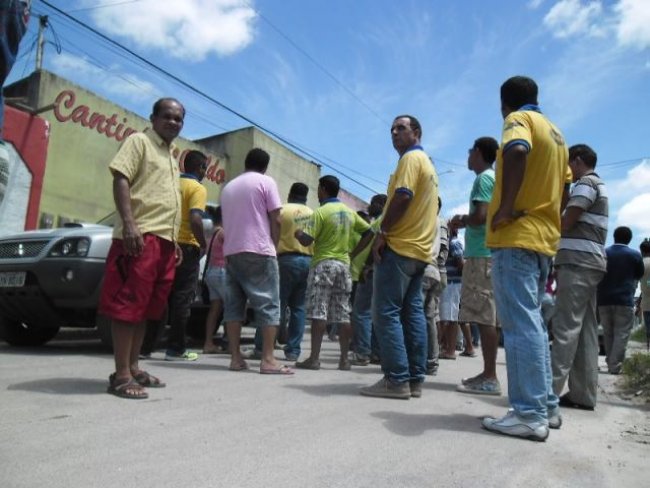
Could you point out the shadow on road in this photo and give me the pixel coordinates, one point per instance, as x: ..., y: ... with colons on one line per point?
x: 405, y: 424
x: 63, y: 386
x: 346, y: 389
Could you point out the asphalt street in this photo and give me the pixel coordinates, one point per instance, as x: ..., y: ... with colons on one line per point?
x: 214, y: 428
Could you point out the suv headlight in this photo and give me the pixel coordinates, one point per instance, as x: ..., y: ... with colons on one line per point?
x: 75, y: 247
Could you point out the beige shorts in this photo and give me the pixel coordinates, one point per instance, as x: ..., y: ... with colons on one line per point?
x: 476, y: 295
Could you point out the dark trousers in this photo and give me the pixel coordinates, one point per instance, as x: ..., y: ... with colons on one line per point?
x: 181, y: 297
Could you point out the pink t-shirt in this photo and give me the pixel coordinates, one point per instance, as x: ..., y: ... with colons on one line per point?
x: 245, y: 204
x: 217, y: 259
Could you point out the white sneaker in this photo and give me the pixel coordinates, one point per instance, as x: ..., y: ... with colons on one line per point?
x: 512, y: 425
x: 554, y: 418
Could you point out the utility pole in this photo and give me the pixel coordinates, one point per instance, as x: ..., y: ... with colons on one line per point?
x: 40, y: 45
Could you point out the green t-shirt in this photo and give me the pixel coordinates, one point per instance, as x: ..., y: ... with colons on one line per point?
x: 331, y: 225
x: 475, y: 234
x: 356, y: 267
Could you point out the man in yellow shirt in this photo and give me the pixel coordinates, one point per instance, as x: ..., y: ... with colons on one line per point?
x: 523, y: 232
x: 401, y: 251
x: 191, y: 240
x: 294, y: 260
x: 141, y: 261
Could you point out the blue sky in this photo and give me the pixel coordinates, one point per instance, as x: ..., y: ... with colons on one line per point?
x: 360, y: 63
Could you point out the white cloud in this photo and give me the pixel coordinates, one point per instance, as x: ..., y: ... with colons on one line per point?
x: 569, y: 18
x: 111, y: 80
x: 638, y: 178
x: 190, y: 29
x: 457, y: 210
x: 634, y: 23
x: 634, y: 214
x: 535, y: 4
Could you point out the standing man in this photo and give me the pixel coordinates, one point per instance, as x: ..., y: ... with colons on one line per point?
x: 616, y: 297
x: 477, y: 295
x: 142, y: 258
x: 523, y: 232
x: 401, y: 251
x: 645, y: 288
x: 580, y: 265
x: 329, y: 284
x: 294, y: 260
x: 250, y: 206
x: 365, y: 346
x: 191, y: 240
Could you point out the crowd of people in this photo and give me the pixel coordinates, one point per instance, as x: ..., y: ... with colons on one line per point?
x: 396, y: 282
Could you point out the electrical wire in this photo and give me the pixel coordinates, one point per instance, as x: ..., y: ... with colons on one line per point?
x: 103, y: 5
x: 202, y: 94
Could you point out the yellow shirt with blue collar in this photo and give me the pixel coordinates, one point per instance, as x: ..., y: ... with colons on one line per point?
x: 412, y: 236
x: 540, y: 195
x: 194, y: 198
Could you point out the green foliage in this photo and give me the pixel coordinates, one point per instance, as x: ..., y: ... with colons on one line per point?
x: 636, y: 369
x: 638, y: 335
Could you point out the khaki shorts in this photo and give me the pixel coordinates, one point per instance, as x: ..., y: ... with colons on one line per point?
x: 329, y: 286
x: 476, y: 295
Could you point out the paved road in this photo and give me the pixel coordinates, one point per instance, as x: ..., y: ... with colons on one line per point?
x: 215, y: 428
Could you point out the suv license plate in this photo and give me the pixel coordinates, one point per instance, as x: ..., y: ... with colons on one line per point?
x: 12, y: 279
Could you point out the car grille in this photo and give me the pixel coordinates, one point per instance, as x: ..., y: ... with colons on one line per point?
x: 28, y: 249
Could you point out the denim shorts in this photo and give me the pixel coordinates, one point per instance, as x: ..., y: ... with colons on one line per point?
x: 215, y: 279
x: 256, y: 278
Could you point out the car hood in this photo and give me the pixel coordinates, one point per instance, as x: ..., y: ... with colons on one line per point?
x: 70, y: 230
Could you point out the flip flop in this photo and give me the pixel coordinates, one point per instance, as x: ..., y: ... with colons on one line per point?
x: 279, y: 370
x: 468, y: 354
x: 150, y: 381
x: 129, y: 389
x: 243, y: 366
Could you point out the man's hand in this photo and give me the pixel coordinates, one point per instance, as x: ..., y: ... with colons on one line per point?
x: 378, y: 248
x: 457, y: 222
x: 132, y: 240
x: 505, y: 217
x: 178, y: 253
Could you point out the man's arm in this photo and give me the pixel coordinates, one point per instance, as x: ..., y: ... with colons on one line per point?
x: 395, y: 211
x: 366, y: 237
x: 131, y: 235
x: 475, y: 218
x: 514, y: 168
x: 566, y: 193
x: 570, y: 217
x: 274, y: 221
x: 196, y: 224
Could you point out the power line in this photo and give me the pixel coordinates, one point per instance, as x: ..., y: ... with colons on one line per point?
x: 201, y: 93
x: 103, y: 5
x: 318, y: 65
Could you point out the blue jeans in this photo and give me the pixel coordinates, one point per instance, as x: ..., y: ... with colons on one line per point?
x: 398, y: 317
x: 294, y: 270
x: 519, y: 277
x: 361, y: 318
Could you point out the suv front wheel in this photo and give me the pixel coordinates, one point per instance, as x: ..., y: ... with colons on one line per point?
x: 19, y: 333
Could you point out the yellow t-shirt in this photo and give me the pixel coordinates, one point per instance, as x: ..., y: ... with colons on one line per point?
x: 194, y: 197
x: 412, y: 236
x: 293, y: 216
x: 540, y: 195
x: 153, y: 174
